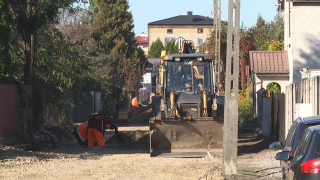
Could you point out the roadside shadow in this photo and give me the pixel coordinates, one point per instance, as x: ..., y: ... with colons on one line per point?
x: 253, y: 143
x: 135, y: 143
x: 254, y: 174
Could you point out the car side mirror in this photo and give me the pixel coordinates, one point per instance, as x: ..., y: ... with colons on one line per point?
x: 221, y: 69
x: 284, y: 155
x: 275, y: 145
x: 219, y: 85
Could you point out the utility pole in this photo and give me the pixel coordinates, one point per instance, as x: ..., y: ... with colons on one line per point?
x: 217, y: 28
x: 230, y: 130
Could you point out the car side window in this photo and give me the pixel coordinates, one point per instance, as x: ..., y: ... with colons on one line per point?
x: 290, y: 136
x: 318, y: 143
x: 303, y: 143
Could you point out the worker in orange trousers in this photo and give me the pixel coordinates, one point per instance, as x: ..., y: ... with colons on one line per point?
x: 81, y: 133
x: 97, y: 126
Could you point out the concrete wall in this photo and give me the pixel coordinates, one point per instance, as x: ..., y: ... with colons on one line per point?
x: 288, y: 36
x: 15, y: 109
x: 188, y: 33
x: 283, y: 81
x: 302, y: 36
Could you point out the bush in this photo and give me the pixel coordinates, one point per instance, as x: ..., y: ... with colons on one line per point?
x: 245, y: 109
x: 245, y: 105
x: 250, y: 123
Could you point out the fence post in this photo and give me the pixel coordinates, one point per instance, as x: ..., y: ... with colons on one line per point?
x: 316, y: 95
x: 290, y: 106
x: 312, y: 99
x: 307, y: 90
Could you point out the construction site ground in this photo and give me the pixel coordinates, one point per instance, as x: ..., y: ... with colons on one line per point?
x: 131, y: 160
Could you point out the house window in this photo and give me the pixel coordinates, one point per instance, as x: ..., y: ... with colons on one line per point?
x: 169, y: 31
x: 200, y: 40
x: 200, y: 30
x: 145, y: 46
x: 167, y: 39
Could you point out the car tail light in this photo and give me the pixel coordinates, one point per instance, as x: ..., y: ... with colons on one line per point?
x: 311, y: 166
x: 291, y: 153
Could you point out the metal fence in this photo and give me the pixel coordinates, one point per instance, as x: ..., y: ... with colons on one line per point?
x: 271, y: 113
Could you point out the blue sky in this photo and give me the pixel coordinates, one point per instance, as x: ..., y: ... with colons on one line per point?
x: 145, y: 11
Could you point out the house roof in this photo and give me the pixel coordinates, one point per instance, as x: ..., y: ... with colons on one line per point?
x: 281, y: 4
x: 189, y: 20
x: 269, y: 62
x: 141, y: 39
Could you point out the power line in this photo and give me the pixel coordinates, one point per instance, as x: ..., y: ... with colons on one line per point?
x: 266, y: 5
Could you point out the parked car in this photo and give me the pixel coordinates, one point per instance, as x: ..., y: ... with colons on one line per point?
x: 296, y: 130
x: 305, y: 162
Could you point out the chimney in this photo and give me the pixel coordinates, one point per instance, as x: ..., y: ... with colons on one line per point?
x: 190, y: 16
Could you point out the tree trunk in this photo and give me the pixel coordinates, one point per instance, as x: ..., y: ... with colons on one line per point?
x: 29, y: 46
x: 28, y: 54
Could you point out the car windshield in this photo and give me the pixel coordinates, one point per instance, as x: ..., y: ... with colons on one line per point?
x: 180, y: 76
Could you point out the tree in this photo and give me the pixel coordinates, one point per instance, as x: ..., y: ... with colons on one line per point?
x: 113, y: 25
x: 273, y: 87
x: 211, y: 40
x: 246, y: 45
x: 275, y: 34
x: 275, y: 45
x: 155, y: 48
x: 133, y: 70
x: 261, y: 33
x: 171, y: 47
x: 29, y: 16
x: 5, y: 61
x: 277, y: 28
x: 59, y: 69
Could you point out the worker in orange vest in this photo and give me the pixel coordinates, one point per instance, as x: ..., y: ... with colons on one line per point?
x: 134, y: 105
x: 97, y: 126
x: 81, y: 133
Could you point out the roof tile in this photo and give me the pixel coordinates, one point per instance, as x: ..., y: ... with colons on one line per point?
x: 141, y: 39
x: 269, y: 61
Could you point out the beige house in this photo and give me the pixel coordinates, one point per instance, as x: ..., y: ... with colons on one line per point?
x: 142, y: 41
x: 191, y: 27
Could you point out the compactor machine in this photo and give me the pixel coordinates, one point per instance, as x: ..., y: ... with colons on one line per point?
x: 186, y: 121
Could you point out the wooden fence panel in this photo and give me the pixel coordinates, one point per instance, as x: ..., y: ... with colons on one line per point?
x: 281, y: 123
x: 315, y: 95
x: 307, y: 90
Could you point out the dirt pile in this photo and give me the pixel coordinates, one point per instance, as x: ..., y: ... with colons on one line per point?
x: 143, y: 116
x: 133, y: 140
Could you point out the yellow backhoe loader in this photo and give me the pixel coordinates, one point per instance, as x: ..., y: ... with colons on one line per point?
x: 186, y: 121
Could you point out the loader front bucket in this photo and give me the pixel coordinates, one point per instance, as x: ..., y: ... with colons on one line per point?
x: 185, y: 137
